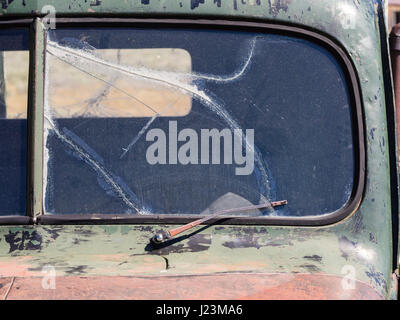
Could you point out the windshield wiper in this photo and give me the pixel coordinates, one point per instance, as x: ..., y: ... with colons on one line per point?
x: 168, y: 234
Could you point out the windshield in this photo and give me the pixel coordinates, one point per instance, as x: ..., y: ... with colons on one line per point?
x: 192, y: 121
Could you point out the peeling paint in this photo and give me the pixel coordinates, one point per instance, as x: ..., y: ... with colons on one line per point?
x: 23, y: 240
x: 275, y: 6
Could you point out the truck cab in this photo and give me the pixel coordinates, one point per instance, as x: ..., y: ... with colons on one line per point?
x: 271, y: 123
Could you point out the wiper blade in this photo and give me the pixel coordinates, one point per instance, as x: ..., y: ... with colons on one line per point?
x: 168, y: 234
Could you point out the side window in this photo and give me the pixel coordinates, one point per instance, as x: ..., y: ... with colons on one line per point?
x: 14, y: 69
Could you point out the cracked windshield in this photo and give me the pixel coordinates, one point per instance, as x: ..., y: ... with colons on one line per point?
x: 148, y: 121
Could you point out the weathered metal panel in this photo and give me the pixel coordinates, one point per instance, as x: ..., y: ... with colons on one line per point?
x: 225, y: 286
x: 125, y: 250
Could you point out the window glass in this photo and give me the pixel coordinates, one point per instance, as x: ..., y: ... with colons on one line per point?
x: 190, y: 121
x: 14, y: 69
x: 74, y: 93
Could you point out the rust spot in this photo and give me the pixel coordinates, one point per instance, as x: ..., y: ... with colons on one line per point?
x: 17, y: 266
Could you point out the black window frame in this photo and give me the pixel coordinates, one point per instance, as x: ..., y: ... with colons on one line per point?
x: 325, y: 41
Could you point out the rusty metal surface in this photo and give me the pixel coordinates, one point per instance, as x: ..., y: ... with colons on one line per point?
x: 87, y: 251
x: 226, y: 286
x: 362, y: 241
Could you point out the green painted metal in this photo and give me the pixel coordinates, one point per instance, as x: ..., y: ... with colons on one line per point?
x: 362, y: 241
x: 2, y: 86
x: 35, y: 109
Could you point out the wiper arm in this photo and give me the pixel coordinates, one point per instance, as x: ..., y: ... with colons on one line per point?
x: 168, y: 234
